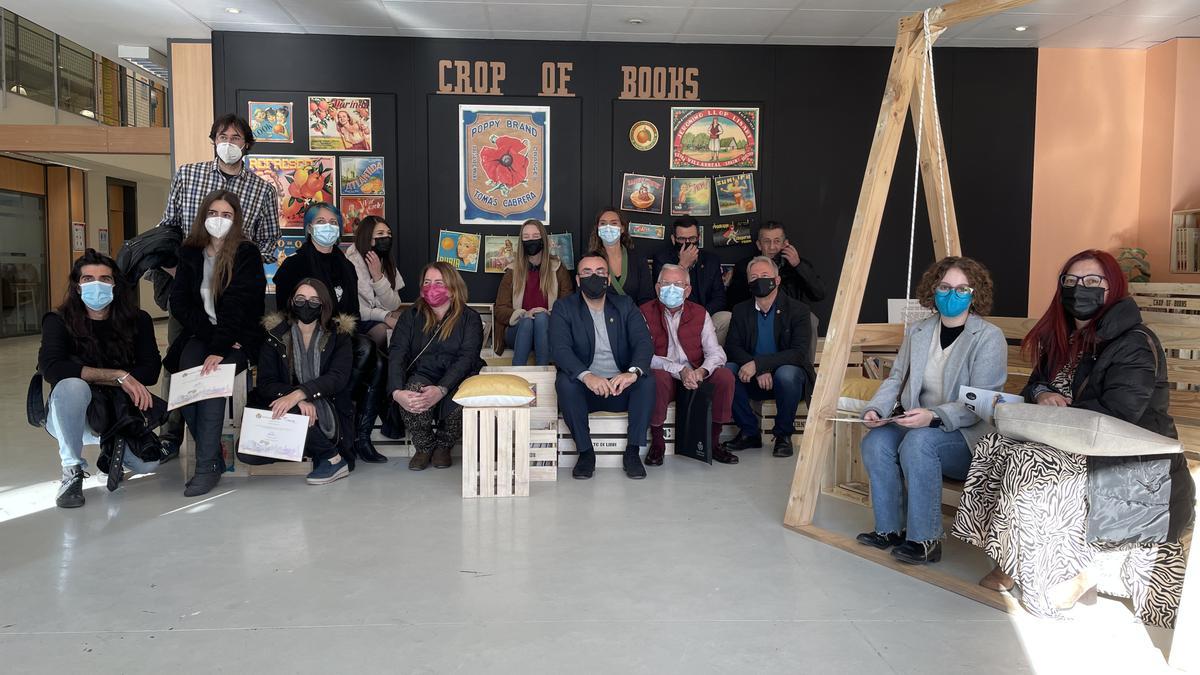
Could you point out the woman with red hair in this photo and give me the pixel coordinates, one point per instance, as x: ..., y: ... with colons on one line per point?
x: 1059, y: 524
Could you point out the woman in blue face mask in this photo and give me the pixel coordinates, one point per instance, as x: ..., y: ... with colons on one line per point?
x: 629, y: 272
x: 919, y: 430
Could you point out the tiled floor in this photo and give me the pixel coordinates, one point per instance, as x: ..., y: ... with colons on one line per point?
x: 688, y: 571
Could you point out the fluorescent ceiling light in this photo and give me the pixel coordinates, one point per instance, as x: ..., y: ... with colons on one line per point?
x: 150, y: 60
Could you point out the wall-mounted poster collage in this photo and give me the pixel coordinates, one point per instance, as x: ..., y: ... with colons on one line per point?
x: 355, y: 183
x: 706, y: 138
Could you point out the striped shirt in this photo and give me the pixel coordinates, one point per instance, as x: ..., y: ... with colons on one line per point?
x: 260, y: 202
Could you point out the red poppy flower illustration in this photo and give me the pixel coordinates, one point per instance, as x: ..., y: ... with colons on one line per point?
x: 505, y: 165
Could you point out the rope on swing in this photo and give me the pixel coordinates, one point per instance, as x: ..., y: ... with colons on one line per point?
x: 926, y: 75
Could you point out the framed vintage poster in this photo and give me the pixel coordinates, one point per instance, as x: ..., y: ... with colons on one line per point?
x: 504, y: 164
x: 300, y: 180
x: 735, y: 194
x: 271, y: 121
x: 714, y: 138
x: 339, y: 123
x: 642, y: 193
x: 360, y: 176
x: 354, y: 209
x: 691, y: 197
x: 285, y: 247
x: 499, y: 251
x: 731, y: 234
x: 460, y: 249
x: 647, y: 231
x: 78, y: 237
x: 563, y: 248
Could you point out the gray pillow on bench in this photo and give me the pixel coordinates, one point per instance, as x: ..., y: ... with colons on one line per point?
x: 1079, y: 431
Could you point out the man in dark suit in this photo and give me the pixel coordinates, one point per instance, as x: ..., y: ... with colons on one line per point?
x: 798, y: 278
x: 768, y: 349
x: 704, y: 271
x: 602, y: 347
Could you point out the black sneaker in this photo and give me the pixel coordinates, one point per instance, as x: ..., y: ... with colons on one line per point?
x: 743, y: 442
x: 633, y: 463
x: 170, y: 450
x: 585, y: 466
x: 70, y: 492
x: 918, y: 552
x: 881, y: 540
x: 783, y: 446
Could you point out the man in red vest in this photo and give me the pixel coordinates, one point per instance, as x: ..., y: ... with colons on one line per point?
x: 686, y: 352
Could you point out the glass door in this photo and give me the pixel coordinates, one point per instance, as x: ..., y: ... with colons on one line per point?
x: 22, y: 263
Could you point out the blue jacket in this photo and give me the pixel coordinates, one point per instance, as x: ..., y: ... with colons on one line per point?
x: 573, y: 335
x: 708, y: 288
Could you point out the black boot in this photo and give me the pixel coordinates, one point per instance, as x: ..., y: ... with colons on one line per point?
x: 367, y: 409
x: 208, y: 474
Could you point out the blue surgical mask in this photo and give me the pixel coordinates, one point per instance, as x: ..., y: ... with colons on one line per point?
x: 96, y: 295
x: 950, y: 304
x: 326, y: 234
x: 671, y: 296
x: 609, y: 234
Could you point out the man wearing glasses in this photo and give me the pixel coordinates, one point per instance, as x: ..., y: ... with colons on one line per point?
x: 703, y: 268
x: 798, y: 278
x: 602, y: 348
x: 686, y: 354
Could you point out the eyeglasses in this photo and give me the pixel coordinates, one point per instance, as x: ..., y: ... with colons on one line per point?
x: 1087, y: 280
x: 677, y: 284
x: 300, y: 301
x: 593, y: 273
x: 961, y: 291
x: 687, y: 241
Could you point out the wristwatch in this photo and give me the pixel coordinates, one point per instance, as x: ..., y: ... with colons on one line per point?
x: 636, y: 371
x: 935, y: 422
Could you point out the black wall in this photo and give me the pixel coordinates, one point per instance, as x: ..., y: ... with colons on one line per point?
x: 819, y: 106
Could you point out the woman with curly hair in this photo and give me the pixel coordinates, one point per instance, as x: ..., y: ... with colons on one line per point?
x: 908, y: 451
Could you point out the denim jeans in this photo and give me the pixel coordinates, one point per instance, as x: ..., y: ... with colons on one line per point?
x: 530, y: 333
x: 787, y: 389
x: 206, y: 419
x: 894, y: 456
x: 66, y: 420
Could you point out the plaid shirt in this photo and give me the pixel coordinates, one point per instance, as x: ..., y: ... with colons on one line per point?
x: 260, y: 202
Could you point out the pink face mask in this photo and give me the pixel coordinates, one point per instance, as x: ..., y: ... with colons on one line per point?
x: 435, y: 295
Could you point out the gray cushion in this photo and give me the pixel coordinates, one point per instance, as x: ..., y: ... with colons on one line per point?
x: 1082, y: 432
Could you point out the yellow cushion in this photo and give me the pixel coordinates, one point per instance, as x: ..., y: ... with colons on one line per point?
x: 494, y: 390
x: 860, y: 388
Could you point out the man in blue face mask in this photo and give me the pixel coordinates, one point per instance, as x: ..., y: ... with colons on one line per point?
x: 686, y: 354
x: 98, y: 347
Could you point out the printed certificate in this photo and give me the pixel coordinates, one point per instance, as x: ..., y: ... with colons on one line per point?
x: 189, y: 386
x: 265, y: 436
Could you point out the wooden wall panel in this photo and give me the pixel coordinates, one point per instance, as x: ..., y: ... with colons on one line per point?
x: 84, y: 139
x: 191, y: 101
x: 19, y: 176
x: 58, y: 236
x: 78, y: 196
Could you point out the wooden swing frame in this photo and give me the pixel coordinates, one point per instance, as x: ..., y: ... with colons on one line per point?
x: 905, y: 75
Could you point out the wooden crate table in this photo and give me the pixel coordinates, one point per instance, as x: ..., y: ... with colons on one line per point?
x: 495, y: 452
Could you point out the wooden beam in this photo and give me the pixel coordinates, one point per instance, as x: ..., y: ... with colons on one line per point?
x: 954, y: 13
x: 876, y: 181
x: 85, y: 139
x: 934, y: 176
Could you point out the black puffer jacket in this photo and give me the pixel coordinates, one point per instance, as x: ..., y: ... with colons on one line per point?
x: 1125, y: 376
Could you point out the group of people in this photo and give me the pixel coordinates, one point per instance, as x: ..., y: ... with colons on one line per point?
x: 1056, y: 524
x: 626, y: 333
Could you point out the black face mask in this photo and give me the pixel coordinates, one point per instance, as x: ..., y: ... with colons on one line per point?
x: 762, y: 287
x: 594, y: 286
x: 382, y: 245
x: 305, y: 313
x: 1082, y: 302
x: 532, y: 246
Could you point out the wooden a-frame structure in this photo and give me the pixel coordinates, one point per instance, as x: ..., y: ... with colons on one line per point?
x: 905, y: 76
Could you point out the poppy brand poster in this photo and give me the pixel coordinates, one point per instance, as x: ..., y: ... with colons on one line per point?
x: 691, y: 197
x: 499, y: 251
x: 562, y: 247
x: 735, y: 194
x: 360, y: 176
x: 714, y: 138
x: 271, y: 121
x: 339, y: 123
x: 642, y: 193
x: 354, y: 209
x: 300, y: 181
x: 285, y: 248
x: 504, y: 164
x: 460, y: 249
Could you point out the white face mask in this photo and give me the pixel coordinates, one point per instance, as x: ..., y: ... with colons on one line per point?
x: 218, y: 226
x: 229, y: 153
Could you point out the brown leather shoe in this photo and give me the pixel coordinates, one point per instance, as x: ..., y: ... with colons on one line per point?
x: 441, y: 458
x: 658, y: 447
x: 997, y: 580
x: 419, y: 461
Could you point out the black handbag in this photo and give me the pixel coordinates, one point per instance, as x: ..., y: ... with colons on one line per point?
x: 35, y: 403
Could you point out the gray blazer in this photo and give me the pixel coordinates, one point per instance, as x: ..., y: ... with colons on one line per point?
x: 979, y: 359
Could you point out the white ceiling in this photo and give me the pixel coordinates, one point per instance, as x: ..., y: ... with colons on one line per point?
x: 1051, y: 23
